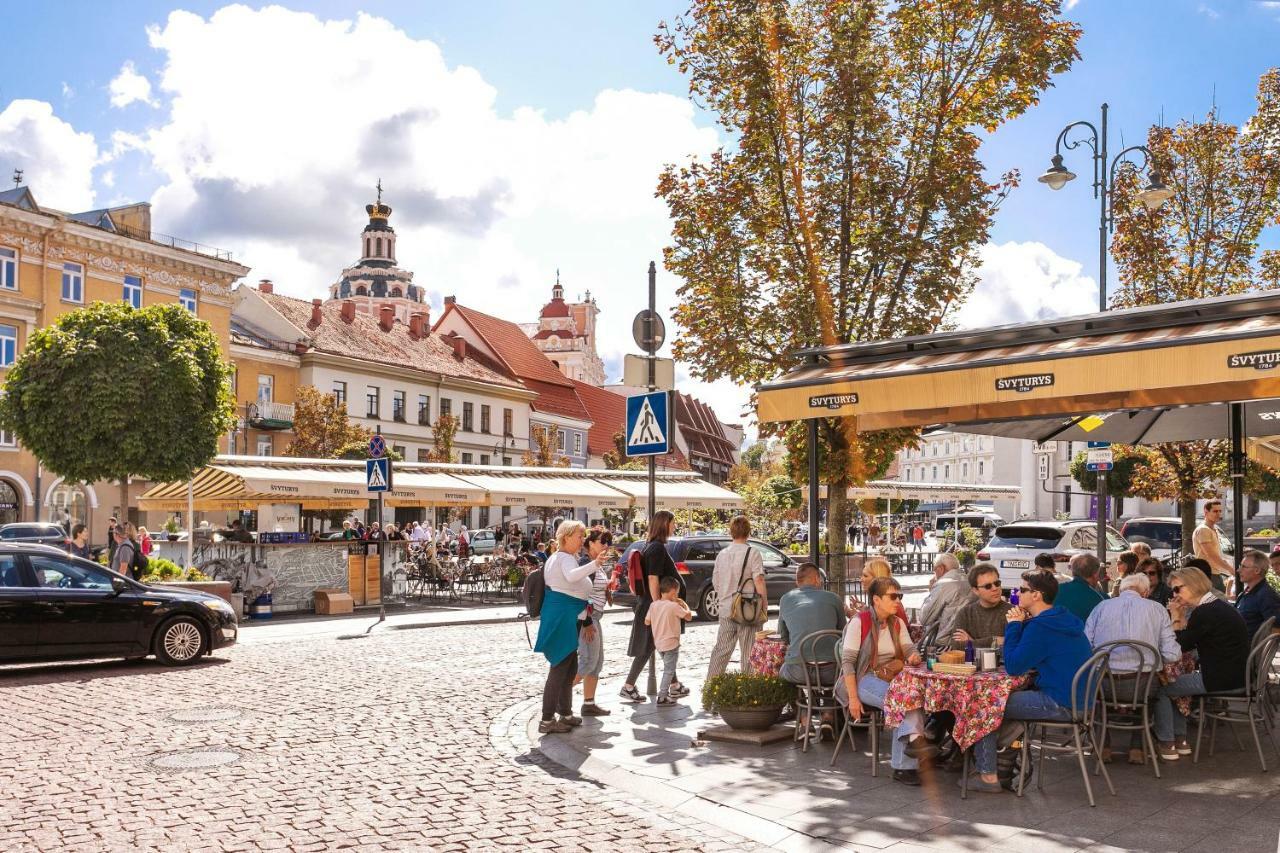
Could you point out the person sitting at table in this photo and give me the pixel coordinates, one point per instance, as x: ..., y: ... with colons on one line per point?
x: 1126, y: 564
x: 872, y: 568
x: 1084, y: 592
x: 1257, y: 601
x: 1153, y: 570
x: 1142, y: 549
x: 802, y: 611
x: 875, y: 647
x: 1131, y: 615
x: 982, y: 619
x: 1211, y: 627
x: 1048, y: 639
x: 951, y: 592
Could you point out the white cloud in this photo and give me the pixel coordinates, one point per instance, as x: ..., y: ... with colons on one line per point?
x: 1208, y: 11
x: 130, y: 86
x: 57, y: 161
x: 1024, y: 282
x: 67, y: 91
x: 1071, y: 4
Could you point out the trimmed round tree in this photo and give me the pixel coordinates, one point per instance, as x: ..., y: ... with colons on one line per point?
x: 110, y: 392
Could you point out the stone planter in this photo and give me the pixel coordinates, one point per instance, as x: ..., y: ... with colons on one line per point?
x: 222, y: 589
x: 750, y: 719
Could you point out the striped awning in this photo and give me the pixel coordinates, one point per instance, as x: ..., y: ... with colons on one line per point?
x: 527, y: 489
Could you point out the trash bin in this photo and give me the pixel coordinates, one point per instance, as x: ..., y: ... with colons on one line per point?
x: 261, y: 607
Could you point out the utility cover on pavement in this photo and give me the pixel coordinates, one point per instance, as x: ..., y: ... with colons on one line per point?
x: 195, y: 759
x: 205, y: 715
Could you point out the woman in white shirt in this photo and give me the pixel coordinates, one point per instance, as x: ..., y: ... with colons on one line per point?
x: 566, y: 609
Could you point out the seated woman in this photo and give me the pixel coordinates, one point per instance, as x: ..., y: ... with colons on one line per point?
x: 875, y: 647
x: 872, y: 568
x: 1154, y: 570
x: 1216, y: 631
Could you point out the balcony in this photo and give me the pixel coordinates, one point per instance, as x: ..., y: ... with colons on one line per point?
x: 271, y: 415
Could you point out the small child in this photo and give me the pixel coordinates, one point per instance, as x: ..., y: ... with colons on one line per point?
x: 664, y: 618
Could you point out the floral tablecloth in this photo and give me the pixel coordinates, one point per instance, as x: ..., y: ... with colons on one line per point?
x: 1170, y: 673
x: 976, y: 700
x: 767, y: 654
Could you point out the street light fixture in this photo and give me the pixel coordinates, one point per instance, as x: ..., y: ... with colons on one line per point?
x: 1057, y: 175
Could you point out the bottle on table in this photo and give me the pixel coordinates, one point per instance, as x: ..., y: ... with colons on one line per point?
x: 968, y: 651
x: 1013, y: 596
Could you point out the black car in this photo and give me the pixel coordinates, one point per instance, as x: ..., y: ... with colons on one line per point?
x: 695, y: 558
x: 57, y: 607
x: 37, y: 532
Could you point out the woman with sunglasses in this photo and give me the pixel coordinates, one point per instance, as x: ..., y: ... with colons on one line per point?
x: 1216, y: 631
x: 875, y: 647
x: 1154, y: 570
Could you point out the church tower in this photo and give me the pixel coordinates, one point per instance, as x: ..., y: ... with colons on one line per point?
x: 566, y: 334
x: 375, y: 280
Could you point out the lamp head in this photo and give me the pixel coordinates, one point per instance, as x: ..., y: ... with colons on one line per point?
x: 1155, y: 193
x: 1057, y: 175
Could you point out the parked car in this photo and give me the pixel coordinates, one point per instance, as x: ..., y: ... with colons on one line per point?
x: 482, y: 541
x: 35, y: 532
x: 695, y: 558
x: 54, y: 606
x: 1163, y: 534
x: 1013, y: 547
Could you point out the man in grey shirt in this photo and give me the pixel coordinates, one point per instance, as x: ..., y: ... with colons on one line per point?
x: 802, y: 611
x: 739, y: 568
x: 950, y: 593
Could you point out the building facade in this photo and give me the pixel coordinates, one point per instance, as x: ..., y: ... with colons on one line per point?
x: 566, y: 334
x: 52, y: 262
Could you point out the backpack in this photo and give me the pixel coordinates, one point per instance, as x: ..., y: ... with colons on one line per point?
x: 635, y: 574
x: 535, y: 590
x: 139, y: 562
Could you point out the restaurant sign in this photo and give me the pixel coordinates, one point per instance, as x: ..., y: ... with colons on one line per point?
x: 1023, y: 384
x: 1261, y: 360
x: 832, y: 401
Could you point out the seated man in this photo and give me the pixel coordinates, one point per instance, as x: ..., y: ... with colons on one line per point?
x: 951, y: 592
x: 1049, y: 640
x: 982, y: 619
x: 1084, y: 592
x: 1131, y: 615
x: 1257, y: 601
x: 802, y: 611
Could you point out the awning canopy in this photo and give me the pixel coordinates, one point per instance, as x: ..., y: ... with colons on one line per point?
x: 899, y: 490
x: 679, y: 493
x: 549, y: 490
x: 1187, y: 353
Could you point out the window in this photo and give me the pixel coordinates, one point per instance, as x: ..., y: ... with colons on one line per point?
x: 187, y: 299
x: 946, y: 472
x: 397, y: 406
x: 964, y: 470
x: 424, y: 409
x: 424, y: 455
x: 372, y: 401
x: 560, y: 440
x: 235, y: 381
x: 466, y: 458
x: 934, y: 475
x: 484, y: 459
x: 64, y: 573
x: 8, y: 268
x: 7, y: 439
x: 399, y: 449
x: 979, y: 467
x: 133, y: 290
x: 506, y: 460
x: 72, y: 283
x: 340, y: 393
x: 9, y: 574
x: 484, y: 418
x: 946, y: 448
x: 264, y: 445
x: 703, y: 549
x: 8, y: 345
x: 265, y: 383
x: 908, y: 475
x: 446, y: 407
x: 468, y: 416
x: 507, y: 417
x: 378, y: 246
x: 577, y: 444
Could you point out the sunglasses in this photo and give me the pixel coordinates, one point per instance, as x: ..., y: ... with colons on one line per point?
x: 1023, y: 590
x: 892, y: 596
x: 1176, y: 589
x: 992, y: 585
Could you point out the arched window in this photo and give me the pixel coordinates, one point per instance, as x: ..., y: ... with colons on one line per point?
x: 395, y: 291
x: 368, y: 247
x: 377, y: 245
x: 362, y: 291
x: 10, y: 505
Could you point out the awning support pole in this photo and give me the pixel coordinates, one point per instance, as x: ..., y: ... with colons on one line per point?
x: 191, y: 518
x: 1102, y: 518
x: 812, y: 424
x: 1237, y: 484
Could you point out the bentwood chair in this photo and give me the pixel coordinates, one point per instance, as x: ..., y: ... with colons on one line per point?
x: 817, y: 696
x: 1247, y: 705
x: 872, y: 720
x: 1125, y: 700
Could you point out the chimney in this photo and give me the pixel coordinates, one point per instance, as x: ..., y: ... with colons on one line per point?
x: 265, y: 286
x: 417, y: 324
x: 348, y: 311
x: 459, y: 347
x: 316, y: 314
x: 449, y: 300
x: 387, y: 317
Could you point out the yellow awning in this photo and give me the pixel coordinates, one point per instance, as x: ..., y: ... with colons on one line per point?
x: 679, y: 494
x: 527, y: 489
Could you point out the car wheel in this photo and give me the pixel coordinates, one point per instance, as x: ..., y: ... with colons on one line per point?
x: 180, y: 641
x: 709, y: 605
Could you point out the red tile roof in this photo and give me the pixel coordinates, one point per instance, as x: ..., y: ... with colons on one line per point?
x: 701, y: 429
x: 555, y: 308
x: 365, y: 339
x: 557, y: 400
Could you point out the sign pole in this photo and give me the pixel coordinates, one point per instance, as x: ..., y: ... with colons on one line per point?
x: 651, y: 687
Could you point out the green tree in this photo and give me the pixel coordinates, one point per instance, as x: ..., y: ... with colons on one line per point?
x: 110, y: 392
x: 617, y: 460
x: 850, y: 202
x: 446, y: 427
x: 1120, y: 479
x: 321, y: 428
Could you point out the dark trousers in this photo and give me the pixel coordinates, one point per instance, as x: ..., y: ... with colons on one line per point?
x: 557, y: 693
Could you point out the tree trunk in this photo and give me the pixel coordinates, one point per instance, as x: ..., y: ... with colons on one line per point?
x: 1187, y: 509
x: 124, y: 500
x: 837, y: 522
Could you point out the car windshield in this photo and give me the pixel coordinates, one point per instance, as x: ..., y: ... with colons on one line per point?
x: 1026, y: 536
x: 26, y: 532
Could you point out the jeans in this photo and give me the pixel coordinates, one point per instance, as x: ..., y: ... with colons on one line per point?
x: 557, y: 693
x: 669, y: 660
x: 1170, y: 724
x: 1022, y: 705
x: 871, y: 692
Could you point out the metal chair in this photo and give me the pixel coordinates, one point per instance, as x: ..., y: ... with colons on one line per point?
x: 1247, y: 705
x: 817, y: 696
x: 872, y: 721
x: 1081, y: 725
x: 1264, y: 631
x: 1125, y: 700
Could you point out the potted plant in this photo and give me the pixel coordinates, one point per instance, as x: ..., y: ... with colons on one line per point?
x: 171, y: 529
x: 748, y: 701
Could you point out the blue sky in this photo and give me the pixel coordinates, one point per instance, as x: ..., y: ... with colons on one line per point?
x: 493, y: 218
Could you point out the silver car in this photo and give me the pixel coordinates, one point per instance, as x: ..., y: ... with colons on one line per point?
x: 1013, y: 547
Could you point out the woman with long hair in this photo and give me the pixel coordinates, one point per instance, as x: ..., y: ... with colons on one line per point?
x: 599, y: 543
x: 873, y: 568
x: 655, y: 564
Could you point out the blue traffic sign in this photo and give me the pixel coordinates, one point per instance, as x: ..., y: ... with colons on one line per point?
x: 377, y: 474
x: 648, y: 424
x: 377, y: 446
x: 1098, y: 444
x: 1099, y: 466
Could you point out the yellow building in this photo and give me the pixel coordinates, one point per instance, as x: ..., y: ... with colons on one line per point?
x: 51, y: 262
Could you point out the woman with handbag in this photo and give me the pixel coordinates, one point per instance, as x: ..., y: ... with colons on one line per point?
x: 875, y: 647
x: 738, y: 579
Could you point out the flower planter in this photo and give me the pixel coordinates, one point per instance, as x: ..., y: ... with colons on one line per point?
x: 222, y: 589
x: 750, y: 719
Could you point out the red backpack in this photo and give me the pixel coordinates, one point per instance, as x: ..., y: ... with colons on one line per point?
x: 635, y: 574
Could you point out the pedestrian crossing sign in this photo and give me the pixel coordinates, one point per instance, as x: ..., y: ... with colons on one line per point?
x: 377, y: 474
x: 648, y: 424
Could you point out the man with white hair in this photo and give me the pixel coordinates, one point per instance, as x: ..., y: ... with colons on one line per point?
x: 1132, y: 616
x: 950, y: 593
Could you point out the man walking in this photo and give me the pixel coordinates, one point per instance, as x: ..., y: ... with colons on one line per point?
x: 1206, y: 543
x: 917, y: 537
x: 739, y: 568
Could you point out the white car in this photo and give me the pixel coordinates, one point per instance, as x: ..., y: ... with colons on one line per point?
x: 1013, y: 547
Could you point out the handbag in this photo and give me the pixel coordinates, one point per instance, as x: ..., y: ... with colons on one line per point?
x: 747, y: 607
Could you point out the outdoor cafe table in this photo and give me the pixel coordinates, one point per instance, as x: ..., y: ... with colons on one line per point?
x: 976, y: 700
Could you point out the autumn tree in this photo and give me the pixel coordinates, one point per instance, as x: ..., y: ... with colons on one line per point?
x: 442, y: 433
x: 1202, y: 243
x: 321, y: 428
x: 617, y: 460
x: 1120, y: 479
x: 542, y: 453
x: 850, y: 201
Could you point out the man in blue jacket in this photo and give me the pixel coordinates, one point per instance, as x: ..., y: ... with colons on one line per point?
x: 1051, y: 641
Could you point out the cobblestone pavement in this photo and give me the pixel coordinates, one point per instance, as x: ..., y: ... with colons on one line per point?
x: 381, y: 743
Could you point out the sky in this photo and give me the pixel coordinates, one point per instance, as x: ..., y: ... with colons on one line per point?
x: 516, y: 139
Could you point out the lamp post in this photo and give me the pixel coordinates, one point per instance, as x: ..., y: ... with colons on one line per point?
x: 1154, y: 194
